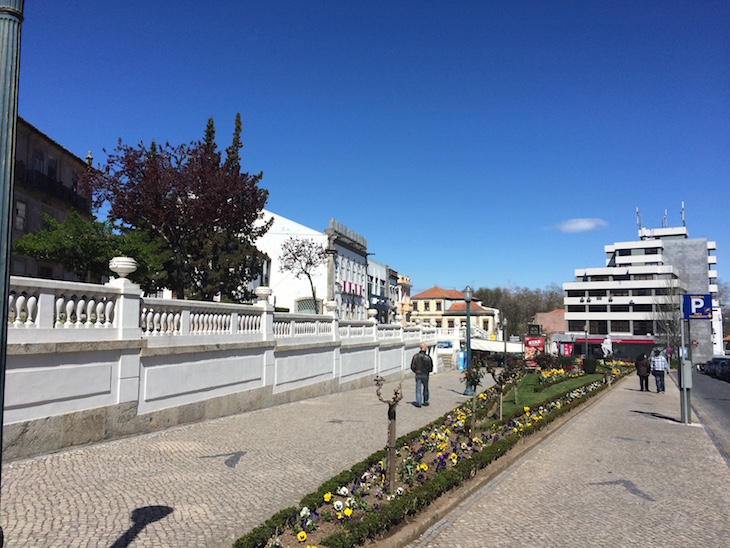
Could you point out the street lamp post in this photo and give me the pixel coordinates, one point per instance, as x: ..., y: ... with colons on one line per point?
x: 468, y: 294
x: 585, y: 328
x: 504, y: 336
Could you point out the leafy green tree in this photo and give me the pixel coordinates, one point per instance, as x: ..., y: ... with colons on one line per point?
x: 85, y: 246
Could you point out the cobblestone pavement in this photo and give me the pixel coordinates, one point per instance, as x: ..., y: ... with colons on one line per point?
x: 204, y: 484
x: 624, y: 472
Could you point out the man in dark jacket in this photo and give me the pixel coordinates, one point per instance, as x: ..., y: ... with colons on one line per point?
x: 422, y: 365
x: 643, y: 370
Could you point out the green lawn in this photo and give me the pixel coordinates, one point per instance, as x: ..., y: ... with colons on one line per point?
x: 528, y: 397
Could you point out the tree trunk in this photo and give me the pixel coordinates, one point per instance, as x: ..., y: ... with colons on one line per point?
x: 390, y: 463
x: 314, y: 294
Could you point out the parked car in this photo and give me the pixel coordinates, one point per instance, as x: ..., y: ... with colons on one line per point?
x: 718, y: 367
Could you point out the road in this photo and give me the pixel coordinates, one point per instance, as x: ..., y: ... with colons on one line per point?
x: 710, y: 399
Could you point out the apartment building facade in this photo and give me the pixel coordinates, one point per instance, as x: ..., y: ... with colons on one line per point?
x: 633, y: 301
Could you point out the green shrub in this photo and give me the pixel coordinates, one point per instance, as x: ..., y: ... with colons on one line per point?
x: 589, y: 365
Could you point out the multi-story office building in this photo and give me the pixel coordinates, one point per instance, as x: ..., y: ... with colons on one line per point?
x: 633, y: 301
x: 45, y: 182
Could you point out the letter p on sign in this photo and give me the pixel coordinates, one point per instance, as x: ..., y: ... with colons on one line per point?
x: 697, y: 307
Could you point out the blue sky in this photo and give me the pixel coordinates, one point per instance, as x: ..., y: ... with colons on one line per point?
x: 482, y: 143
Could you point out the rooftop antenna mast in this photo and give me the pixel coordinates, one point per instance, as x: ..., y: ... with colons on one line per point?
x: 683, y: 223
x: 638, y: 217
x: 664, y: 220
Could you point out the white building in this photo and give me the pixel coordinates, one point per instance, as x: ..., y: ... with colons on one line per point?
x: 289, y: 292
x: 633, y: 298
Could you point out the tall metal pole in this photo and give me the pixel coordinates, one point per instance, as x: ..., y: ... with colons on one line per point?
x: 468, y: 293
x: 11, y: 16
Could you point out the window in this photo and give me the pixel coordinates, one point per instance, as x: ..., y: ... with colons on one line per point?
x: 599, y: 278
x: 51, y: 168
x: 426, y: 306
x: 618, y: 293
x: 621, y: 277
x: 438, y: 306
x: 574, y: 293
x: 38, y: 160
x: 643, y: 276
x: 619, y: 308
x: 21, y: 215
x: 599, y: 327
x: 620, y: 326
x: 576, y: 308
x: 575, y: 325
x: 598, y: 308
x: 641, y: 292
x: 306, y: 306
x: 597, y: 293
x: 624, y: 252
x: 642, y: 308
x: 643, y: 327
x: 451, y: 324
x: 651, y: 251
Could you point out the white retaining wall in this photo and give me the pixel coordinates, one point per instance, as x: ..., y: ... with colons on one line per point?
x: 90, y: 362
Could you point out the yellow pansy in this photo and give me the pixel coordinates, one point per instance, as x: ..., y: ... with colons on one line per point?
x: 301, y: 536
x: 327, y: 497
x: 348, y: 512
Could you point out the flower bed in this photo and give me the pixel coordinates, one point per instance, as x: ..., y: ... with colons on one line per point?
x: 355, y: 506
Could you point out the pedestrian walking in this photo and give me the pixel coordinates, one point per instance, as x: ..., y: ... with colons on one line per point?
x: 659, y: 366
x: 422, y: 365
x: 643, y: 371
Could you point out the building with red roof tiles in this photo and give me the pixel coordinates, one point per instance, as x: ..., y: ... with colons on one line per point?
x: 446, y: 309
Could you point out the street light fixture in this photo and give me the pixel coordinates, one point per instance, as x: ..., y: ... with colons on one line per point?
x: 468, y: 294
x: 585, y: 328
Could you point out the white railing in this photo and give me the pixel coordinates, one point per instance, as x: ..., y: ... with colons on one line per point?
x: 389, y: 332
x: 57, y: 306
x: 179, y: 317
x: 356, y: 329
x: 301, y: 325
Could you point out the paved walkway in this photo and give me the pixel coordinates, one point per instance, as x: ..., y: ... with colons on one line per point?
x: 205, y: 484
x: 624, y: 472
x: 621, y: 473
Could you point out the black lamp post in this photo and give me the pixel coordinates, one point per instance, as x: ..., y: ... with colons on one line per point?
x: 468, y: 294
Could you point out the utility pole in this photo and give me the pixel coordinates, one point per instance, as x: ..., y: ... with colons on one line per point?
x: 11, y: 16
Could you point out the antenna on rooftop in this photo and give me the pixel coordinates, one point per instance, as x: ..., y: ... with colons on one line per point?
x: 638, y: 217
x: 664, y: 220
x: 683, y: 224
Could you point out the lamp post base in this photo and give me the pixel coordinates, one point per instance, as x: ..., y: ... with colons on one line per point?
x: 469, y: 391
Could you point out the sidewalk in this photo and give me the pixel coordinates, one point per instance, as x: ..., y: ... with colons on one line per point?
x: 620, y: 473
x: 624, y: 472
x: 204, y: 484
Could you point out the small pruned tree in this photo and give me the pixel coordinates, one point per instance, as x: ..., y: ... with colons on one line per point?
x: 301, y: 257
x: 392, y: 404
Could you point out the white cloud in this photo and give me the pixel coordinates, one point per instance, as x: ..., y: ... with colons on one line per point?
x: 581, y: 225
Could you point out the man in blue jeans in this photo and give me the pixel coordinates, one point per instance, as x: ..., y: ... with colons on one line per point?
x: 422, y: 365
x: 659, y: 366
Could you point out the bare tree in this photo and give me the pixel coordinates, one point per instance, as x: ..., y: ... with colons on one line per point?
x: 301, y: 257
x: 668, y: 315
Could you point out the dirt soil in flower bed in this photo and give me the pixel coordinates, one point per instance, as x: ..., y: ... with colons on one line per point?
x: 367, y: 494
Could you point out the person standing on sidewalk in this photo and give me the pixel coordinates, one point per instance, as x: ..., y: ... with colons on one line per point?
x: 659, y: 366
x: 422, y: 365
x: 642, y: 370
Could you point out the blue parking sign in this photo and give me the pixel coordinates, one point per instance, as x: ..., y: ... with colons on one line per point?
x: 697, y: 307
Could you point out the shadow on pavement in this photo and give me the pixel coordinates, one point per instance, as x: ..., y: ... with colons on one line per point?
x: 657, y: 415
x: 141, y: 518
